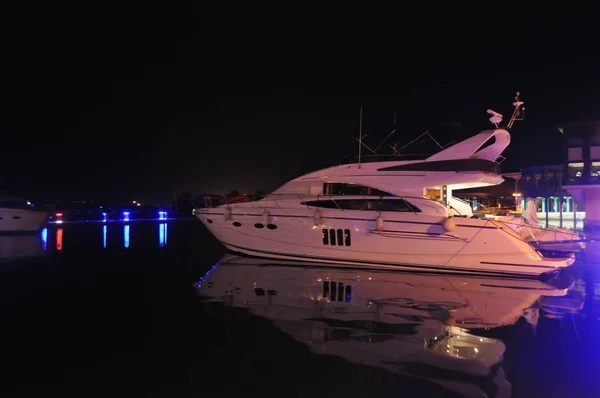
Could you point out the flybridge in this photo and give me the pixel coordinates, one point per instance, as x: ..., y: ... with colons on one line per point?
x: 487, y: 145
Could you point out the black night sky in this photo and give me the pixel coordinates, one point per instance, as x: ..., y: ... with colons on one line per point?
x: 102, y: 101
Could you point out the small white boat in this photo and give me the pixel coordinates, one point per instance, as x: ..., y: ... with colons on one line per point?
x: 20, y: 216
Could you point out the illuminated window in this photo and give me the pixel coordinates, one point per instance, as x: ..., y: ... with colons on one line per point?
x: 575, y: 154
x: 595, y: 169
x: 575, y: 170
x: 594, y: 153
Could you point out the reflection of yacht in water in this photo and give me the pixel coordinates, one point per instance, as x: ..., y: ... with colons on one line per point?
x: 399, y: 321
x: 14, y: 247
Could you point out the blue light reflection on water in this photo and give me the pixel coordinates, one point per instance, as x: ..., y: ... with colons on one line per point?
x: 126, y: 236
x: 162, y: 234
x: 44, y: 236
x: 55, y: 235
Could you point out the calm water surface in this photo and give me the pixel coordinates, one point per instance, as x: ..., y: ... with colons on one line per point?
x: 155, y: 309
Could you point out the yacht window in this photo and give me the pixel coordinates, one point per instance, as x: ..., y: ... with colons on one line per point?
x: 364, y: 204
x: 342, y: 188
x: 326, y: 203
x: 332, y: 236
x: 340, y: 237
x: 340, y: 290
x: 332, y: 290
x: 325, y: 234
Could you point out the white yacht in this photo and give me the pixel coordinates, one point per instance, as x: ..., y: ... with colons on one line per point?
x: 20, y: 216
x: 388, y: 214
x: 394, y: 320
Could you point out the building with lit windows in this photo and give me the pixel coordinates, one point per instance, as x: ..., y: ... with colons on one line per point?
x: 581, y: 152
x: 555, y: 205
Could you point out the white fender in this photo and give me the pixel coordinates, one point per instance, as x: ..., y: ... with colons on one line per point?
x: 227, y: 213
x: 380, y: 222
x: 265, y: 217
x: 448, y: 224
x: 318, y: 218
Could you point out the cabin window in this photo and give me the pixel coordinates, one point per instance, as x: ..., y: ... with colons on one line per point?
x: 595, y: 169
x: 340, y: 290
x: 332, y: 237
x: 342, y: 188
x: 332, y: 291
x: 575, y: 170
x: 340, y: 237
x: 335, y: 237
x: 575, y: 154
x: 397, y: 205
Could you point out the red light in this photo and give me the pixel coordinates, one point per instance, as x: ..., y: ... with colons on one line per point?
x: 59, y: 239
x: 59, y: 214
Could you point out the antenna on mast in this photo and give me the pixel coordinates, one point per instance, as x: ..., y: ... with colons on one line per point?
x: 518, y: 112
x: 360, y: 137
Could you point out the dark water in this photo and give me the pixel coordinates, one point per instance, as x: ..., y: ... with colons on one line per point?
x: 113, y: 311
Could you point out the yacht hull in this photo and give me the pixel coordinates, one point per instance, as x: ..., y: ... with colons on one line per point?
x: 410, y: 241
x: 22, y: 220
